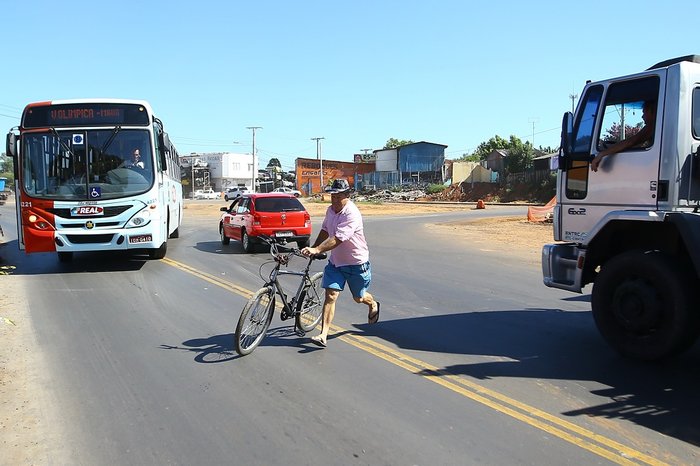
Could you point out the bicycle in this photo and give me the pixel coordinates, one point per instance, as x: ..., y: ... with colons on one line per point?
x: 306, y: 307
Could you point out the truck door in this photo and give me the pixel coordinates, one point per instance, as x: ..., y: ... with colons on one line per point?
x: 627, y: 180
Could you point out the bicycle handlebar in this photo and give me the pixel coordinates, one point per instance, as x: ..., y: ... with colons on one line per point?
x: 275, y: 245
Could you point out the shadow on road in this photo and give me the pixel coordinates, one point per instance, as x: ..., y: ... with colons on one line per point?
x: 83, y: 262
x: 557, y: 345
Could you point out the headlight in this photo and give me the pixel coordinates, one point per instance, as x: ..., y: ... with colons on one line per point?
x: 142, y: 218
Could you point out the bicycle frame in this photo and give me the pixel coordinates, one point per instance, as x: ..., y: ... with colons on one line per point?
x: 289, y: 307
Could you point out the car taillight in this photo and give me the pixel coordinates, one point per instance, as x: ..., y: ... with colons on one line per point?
x: 307, y: 219
x: 256, y: 219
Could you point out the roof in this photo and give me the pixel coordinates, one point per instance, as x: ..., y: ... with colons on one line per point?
x: 420, y: 142
x: 257, y: 195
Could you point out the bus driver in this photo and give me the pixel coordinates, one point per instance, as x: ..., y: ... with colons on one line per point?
x: 135, y: 161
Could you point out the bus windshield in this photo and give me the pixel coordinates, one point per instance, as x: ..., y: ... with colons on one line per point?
x: 81, y: 165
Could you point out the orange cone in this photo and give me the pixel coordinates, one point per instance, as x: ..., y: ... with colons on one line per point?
x: 480, y: 204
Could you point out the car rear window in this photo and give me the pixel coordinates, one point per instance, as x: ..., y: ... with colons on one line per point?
x: 278, y: 204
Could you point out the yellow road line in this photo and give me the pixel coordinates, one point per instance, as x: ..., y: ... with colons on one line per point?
x: 565, y: 430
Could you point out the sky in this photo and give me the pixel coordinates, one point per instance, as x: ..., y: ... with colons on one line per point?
x: 355, y: 73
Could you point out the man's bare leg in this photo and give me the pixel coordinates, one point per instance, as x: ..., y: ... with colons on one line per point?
x: 328, y: 314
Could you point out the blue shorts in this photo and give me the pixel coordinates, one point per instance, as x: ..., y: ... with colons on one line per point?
x: 357, y: 277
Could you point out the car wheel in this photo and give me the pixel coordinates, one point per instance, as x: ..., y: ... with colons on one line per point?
x: 224, y: 239
x: 248, y: 245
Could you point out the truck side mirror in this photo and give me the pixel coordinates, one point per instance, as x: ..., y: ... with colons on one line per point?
x: 565, y: 148
x: 567, y: 128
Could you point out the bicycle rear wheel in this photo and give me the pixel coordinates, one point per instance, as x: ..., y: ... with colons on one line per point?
x: 310, y: 308
x: 255, y: 320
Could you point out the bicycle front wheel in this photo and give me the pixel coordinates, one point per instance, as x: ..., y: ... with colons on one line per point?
x: 255, y: 320
x: 310, y: 308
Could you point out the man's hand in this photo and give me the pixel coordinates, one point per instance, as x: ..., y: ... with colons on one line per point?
x: 596, y: 161
x: 308, y: 251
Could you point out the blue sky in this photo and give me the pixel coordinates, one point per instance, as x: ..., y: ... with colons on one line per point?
x: 353, y: 72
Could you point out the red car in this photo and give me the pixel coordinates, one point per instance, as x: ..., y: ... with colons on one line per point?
x: 272, y: 214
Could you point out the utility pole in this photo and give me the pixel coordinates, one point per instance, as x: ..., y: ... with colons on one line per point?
x: 318, y: 157
x: 192, y: 166
x: 573, y: 98
x: 533, y: 120
x: 252, y: 185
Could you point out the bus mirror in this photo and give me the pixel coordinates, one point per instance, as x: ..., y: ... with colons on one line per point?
x: 567, y: 128
x: 11, y: 146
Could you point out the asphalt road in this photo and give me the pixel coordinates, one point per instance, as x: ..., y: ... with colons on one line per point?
x: 474, y: 361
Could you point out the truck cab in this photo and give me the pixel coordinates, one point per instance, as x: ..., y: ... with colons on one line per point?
x: 632, y: 227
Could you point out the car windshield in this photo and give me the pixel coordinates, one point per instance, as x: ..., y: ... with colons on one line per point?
x: 278, y: 204
x: 87, y: 164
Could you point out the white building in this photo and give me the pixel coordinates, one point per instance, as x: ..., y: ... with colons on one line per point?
x: 226, y: 169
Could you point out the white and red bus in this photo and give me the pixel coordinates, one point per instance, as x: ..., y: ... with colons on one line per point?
x: 79, y: 185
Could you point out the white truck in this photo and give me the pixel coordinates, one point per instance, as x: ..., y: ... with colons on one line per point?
x: 632, y: 228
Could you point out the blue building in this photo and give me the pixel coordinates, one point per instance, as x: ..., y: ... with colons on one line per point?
x: 416, y: 163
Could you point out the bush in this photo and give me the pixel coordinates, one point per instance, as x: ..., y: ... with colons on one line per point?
x: 435, y: 188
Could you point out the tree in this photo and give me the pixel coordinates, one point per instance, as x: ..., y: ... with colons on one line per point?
x: 466, y: 157
x: 485, y: 148
x: 393, y: 143
x: 519, y: 155
x: 614, y: 134
x: 274, y: 163
x: 7, y: 168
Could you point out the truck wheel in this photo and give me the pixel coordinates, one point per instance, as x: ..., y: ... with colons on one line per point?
x: 644, y: 307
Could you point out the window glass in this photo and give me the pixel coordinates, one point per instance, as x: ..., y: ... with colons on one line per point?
x: 696, y: 113
x: 577, y: 179
x: 86, y: 165
x: 585, y: 123
x: 627, y: 105
x: 243, y: 206
x: 278, y: 204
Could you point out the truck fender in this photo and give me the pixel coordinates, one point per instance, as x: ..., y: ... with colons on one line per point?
x: 688, y: 226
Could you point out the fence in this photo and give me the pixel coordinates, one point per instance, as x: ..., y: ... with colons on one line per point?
x: 529, y: 177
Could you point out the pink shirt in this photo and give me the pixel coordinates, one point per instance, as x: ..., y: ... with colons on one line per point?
x: 346, y: 226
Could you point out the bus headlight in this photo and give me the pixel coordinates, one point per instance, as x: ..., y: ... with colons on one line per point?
x: 142, y: 218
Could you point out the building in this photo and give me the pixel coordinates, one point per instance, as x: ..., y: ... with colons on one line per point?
x: 220, y: 170
x: 415, y: 163
x: 310, y: 181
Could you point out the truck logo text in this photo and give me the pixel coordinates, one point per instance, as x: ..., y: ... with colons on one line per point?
x: 579, y: 211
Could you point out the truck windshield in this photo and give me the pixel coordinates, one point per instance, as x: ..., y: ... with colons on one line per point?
x: 86, y: 164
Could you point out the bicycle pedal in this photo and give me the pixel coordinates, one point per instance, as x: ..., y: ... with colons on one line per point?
x: 299, y: 332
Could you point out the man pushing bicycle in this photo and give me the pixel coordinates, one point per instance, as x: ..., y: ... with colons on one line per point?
x: 342, y: 233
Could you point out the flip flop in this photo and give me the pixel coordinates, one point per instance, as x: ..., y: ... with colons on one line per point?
x: 317, y: 341
x: 373, y: 318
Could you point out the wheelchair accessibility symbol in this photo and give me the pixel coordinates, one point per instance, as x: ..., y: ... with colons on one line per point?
x: 95, y: 192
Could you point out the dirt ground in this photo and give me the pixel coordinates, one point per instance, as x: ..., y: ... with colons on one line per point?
x: 29, y: 433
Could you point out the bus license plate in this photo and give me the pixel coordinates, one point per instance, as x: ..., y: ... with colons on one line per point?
x: 140, y: 239
x: 283, y: 234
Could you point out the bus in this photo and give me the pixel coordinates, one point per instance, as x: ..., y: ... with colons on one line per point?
x: 94, y: 175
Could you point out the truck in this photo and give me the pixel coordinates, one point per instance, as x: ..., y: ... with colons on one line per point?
x: 631, y: 228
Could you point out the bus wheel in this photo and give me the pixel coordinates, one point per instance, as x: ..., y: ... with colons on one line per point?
x: 158, y: 253
x: 65, y: 257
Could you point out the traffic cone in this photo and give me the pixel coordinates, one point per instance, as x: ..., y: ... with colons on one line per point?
x: 480, y: 204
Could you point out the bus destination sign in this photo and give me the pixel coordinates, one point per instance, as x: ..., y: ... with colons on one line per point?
x: 91, y: 114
